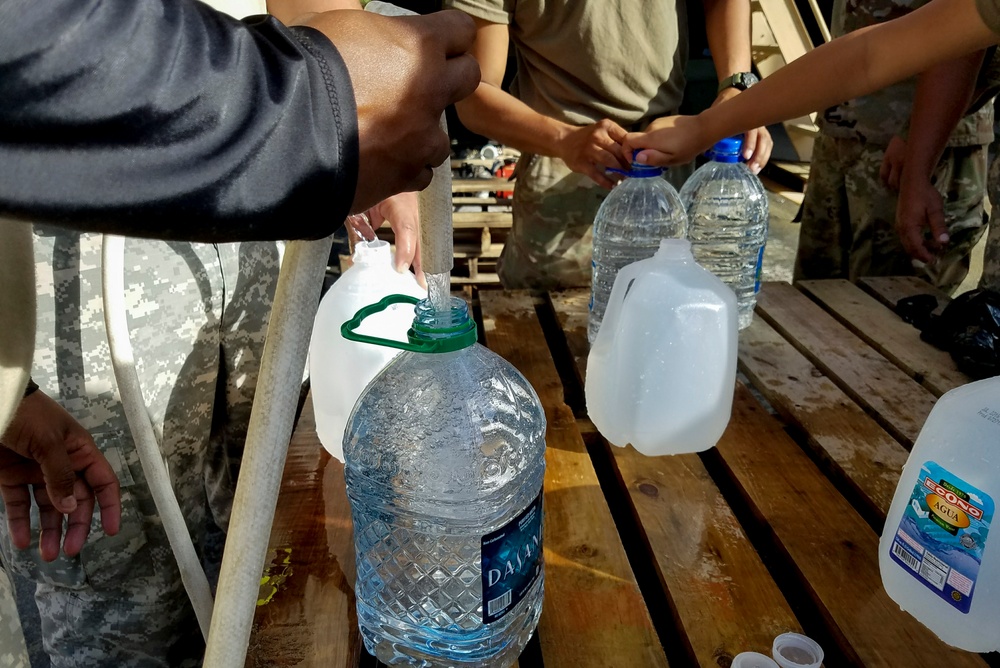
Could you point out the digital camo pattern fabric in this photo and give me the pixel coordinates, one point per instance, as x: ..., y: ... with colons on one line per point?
x: 198, y: 315
x: 848, y: 215
x: 13, y: 653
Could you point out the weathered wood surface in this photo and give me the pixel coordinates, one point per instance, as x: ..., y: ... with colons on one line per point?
x: 688, y: 559
x: 897, y: 340
x: 722, y: 595
x: 305, y: 611
x: 828, y: 552
x: 881, y: 388
x: 850, y: 444
x: 594, y: 613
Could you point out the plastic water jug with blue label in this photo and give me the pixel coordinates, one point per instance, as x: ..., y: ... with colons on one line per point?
x: 662, y: 372
x: 727, y: 222
x: 938, y: 556
x: 637, y: 213
x: 340, y: 369
x: 445, y: 457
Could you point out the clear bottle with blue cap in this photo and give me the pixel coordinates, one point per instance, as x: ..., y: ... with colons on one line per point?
x: 642, y: 210
x: 727, y: 222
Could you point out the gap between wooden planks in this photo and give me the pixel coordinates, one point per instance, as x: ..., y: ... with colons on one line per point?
x: 594, y: 613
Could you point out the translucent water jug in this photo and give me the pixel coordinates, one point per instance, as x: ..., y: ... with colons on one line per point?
x: 727, y: 222
x: 340, y: 369
x: 638, y: 212
x: 445, y: 459
x: 662, y: 372
x: 936, y: 554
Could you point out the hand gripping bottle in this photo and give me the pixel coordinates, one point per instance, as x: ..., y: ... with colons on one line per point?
x: 445, y: 458
x: 727, y: 222
x: 340, y: 369
x: 938, y: 555
x: 662, y: 372
x: 635, y: 216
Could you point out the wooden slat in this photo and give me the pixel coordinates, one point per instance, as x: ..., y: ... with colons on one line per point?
x: 481, y: 185
x: 894, y: 399
x: 305, y: 613
x: 481, y: 218
x: 831, y: 552
x: 859, y: 453
x: 898, y: 341
x: 891, y: 289
x: 724, y: 598
x: 594, y: 613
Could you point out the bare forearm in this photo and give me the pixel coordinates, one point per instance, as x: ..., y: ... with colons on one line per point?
x: 496, y: 114
x: 942, y: 96
x: 727, y: 24
x: 854, y: 65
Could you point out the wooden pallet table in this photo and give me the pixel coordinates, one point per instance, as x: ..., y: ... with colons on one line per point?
x: 675, y: 561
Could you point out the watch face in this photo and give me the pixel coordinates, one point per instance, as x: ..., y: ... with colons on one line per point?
x: 746, y: 79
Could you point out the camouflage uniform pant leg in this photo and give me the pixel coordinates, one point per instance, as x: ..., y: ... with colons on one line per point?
x: 550, y: 243
x: 990, y: 280
x: 250, y: 272
x: 13, y: 652
x: 848, y: 226
x: 121, y: 602
x: 825, y: 231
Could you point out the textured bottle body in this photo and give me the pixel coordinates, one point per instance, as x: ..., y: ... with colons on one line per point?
x: 443, y: 452
x: 727, y: 226
x: 629, y: 226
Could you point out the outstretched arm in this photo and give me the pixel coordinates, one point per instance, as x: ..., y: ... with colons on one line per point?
x: 848, y: 67
x: 171, y: 120
x: 496, y: 114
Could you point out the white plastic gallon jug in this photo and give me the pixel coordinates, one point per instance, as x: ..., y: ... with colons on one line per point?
x: 662, y: 371
x: 936, y: 555
x: 340, y: 369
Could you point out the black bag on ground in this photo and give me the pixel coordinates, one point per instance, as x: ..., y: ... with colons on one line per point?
x: 968, y: 328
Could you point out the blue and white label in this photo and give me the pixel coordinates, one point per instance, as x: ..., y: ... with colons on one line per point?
x: 512, y: 561
x: 942, y: 535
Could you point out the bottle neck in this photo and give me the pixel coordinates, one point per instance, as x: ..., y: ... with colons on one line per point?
x: 453, y: 329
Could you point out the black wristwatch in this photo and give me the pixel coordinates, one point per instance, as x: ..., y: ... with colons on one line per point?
x: 739, y: 81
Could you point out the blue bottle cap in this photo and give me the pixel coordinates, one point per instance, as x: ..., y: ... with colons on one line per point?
x: 638, y: 171
x: 727, y: 150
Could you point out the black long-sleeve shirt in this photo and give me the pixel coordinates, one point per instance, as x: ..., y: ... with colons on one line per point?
x: 167, y: 119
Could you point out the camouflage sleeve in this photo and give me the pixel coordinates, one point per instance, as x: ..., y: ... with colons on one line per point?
x: 168, y: 119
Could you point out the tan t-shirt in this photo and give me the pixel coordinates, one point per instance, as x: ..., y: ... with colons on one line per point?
x: 583, y: 60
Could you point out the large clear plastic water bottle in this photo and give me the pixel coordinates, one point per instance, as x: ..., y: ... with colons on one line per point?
x: 445, y: 457
x: 637, y: 214
x: 727, y: 222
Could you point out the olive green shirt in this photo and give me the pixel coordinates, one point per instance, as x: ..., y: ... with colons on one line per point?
x: 583, y: 60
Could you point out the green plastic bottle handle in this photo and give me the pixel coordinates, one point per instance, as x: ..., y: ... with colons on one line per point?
x: 463, y: 336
